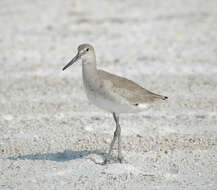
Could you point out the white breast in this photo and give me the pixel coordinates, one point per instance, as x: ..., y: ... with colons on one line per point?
x: 108, y: 105
x: 101, y: 96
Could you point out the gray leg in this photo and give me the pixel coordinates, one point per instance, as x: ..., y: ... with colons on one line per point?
x: 118, y: 128
x: 117, y: 134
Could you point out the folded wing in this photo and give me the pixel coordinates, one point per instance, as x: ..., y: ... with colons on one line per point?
x: 128, y: 89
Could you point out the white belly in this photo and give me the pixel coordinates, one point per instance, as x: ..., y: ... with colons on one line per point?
x: 101, y: 97
x: 113, y: 106
x: 108, y: 105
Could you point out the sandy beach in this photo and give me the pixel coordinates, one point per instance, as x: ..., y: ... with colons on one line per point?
x: 51, y: 137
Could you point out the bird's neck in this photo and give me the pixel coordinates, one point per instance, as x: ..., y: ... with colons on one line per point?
x: 89, y: 66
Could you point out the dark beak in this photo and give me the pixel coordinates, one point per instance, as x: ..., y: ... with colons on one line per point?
x: 72, y: 61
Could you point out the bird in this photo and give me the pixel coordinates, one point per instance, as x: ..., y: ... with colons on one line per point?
x: 111, y: 93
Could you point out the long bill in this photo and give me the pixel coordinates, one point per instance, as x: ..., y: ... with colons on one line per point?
x: 72, y: 61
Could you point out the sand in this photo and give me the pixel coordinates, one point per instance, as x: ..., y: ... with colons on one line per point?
x: 51, y: 137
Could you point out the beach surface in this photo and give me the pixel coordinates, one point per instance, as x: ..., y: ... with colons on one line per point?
x: 51, y: 137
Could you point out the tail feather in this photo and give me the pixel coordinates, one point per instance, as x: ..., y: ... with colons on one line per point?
x: 156, y: 96
x: 164, y: 97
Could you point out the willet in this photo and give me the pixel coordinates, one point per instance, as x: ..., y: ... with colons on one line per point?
x: 111, y: 93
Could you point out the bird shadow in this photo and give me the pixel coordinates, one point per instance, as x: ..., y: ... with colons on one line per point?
x: 64, y: 156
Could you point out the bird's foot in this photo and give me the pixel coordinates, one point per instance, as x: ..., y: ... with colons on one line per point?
x: 106, y: 160
x: 121, y: 159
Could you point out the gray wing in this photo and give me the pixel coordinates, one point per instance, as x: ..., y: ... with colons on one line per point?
x: 128, y: 89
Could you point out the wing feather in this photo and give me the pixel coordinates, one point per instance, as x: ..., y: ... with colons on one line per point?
x: 128, y: 89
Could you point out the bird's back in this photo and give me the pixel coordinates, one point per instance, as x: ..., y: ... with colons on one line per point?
x: 129, y: 90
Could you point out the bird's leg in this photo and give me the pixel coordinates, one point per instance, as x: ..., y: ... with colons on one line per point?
x: 118, y: 129
x: 117, y: 134
x: 111, y: 145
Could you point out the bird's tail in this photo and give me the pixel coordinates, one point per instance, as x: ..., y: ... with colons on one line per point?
x: 164, y: 97
x: 157, y: 96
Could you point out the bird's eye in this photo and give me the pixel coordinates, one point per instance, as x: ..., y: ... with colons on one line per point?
x: 87, y: 49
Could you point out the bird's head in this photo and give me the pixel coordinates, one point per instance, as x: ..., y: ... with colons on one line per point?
x: 85, y: 52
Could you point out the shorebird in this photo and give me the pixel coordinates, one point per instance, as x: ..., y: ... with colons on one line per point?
x: 111, y: 93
